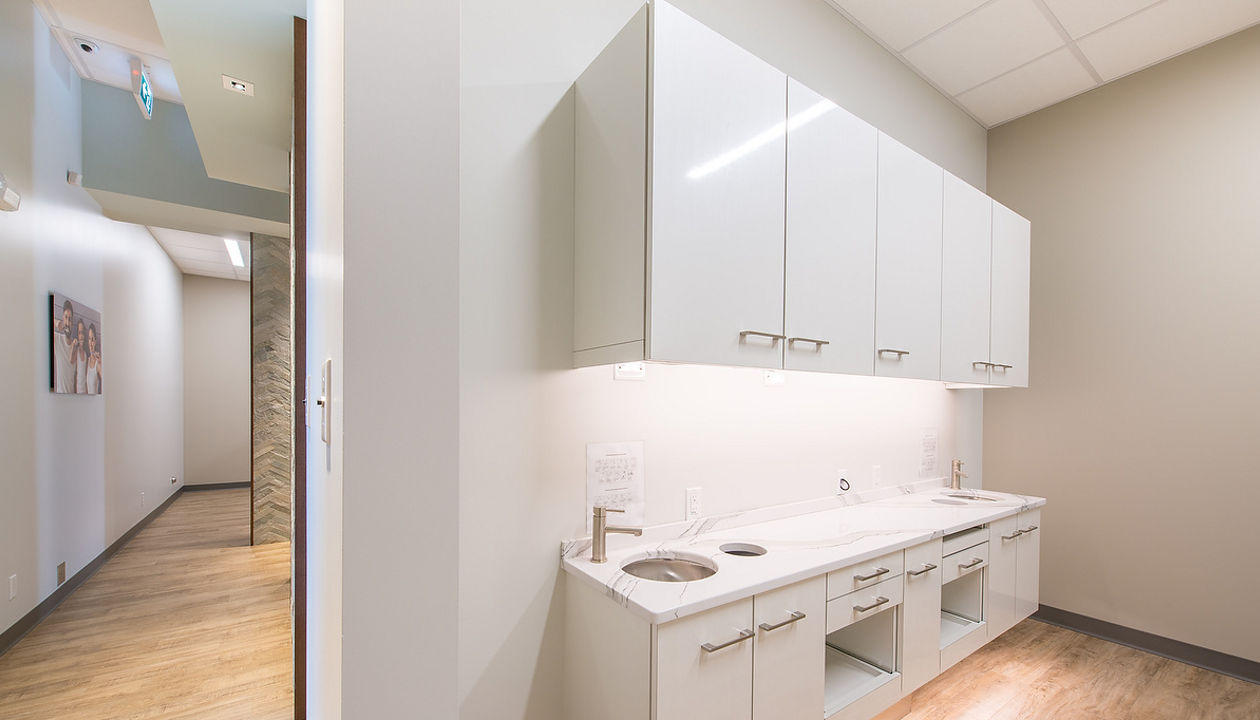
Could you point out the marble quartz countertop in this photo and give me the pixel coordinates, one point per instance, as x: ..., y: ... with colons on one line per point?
x: 802, y: 540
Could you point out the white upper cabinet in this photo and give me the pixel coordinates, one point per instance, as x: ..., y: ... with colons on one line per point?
x: 717, y: 226
x: 965, y: 283
x: 830, y: 279
x: 908, y: 264
x: 1008, y: 344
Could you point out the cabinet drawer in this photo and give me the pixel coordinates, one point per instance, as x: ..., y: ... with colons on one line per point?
x: 844, y: 611
x: 863, y: 575
x: 964, y: 562
x: 963, y: 539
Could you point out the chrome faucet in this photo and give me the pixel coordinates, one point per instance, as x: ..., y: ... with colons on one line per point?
x: 599, y: 533
x: 955, y: 480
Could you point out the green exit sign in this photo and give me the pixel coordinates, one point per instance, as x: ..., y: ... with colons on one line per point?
x: 142, y: 88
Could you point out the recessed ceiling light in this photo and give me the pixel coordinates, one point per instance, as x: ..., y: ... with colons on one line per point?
x: 237, y: 85
x: 234, y: 252
x: 86, y: 46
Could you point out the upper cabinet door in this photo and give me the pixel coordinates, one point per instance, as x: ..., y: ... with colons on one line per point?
x: 1012, y: 238
x: 968, y: 226
x: 717, y: 198
x: 830, y: 287
x: 908, y: 264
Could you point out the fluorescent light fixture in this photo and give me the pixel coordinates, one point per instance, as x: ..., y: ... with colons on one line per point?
x: 234, y: 252
x: 762, y: 139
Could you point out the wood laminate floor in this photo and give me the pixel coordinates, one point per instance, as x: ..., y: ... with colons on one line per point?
x: 186, y: 622
x: 1036, y: 671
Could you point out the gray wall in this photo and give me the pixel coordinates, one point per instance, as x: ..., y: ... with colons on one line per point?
x: 216, y: 380
x: 158, y: 159
x: 1141, y: 422
x: 271, y: 382
x: 75, y: 467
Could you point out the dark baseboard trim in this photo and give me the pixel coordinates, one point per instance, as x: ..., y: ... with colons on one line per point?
x: 218, y: 486
x: 1219, y: 662
x: 32, y: 619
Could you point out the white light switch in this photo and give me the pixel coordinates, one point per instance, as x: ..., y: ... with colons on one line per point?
x: 877, y: 476
x: 12, y: 587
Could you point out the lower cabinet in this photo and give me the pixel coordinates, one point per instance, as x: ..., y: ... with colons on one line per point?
x: 850, y: 643
x: 1014, y: 569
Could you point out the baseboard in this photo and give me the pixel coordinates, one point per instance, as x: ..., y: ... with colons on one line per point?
x: 1219, y: 662
x: 32, y: 619
x: 219, y: 486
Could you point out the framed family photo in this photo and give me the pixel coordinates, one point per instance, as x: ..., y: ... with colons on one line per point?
x: 76, y: 358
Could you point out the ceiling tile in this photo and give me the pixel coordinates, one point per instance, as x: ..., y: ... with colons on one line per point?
x: 901, y: 23
x: 1041, y: 82
x: 999, y: 37
x: 1081, y: 17
x: 1164, y: 30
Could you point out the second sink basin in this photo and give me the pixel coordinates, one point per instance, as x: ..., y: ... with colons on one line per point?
x: 677, y: 569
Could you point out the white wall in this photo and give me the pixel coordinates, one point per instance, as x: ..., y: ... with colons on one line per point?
x: 75, y: 467
x: 216, y: 380
x: 525, y: 416
x: 1140, y: 423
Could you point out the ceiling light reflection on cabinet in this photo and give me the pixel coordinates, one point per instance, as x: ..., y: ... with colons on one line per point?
x: 762, y: 139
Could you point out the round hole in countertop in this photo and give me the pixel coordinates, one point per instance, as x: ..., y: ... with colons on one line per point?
x: 743, y: 549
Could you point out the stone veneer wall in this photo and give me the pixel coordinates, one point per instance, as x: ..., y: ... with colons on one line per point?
x: 271, y: 343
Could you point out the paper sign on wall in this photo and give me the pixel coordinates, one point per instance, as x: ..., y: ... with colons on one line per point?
x: 928, y: 455
x: 614, y: 479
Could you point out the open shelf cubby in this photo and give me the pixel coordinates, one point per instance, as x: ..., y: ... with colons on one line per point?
x: 861, y: 658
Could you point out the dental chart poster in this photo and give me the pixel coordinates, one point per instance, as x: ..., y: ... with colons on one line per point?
x: 614, y: 479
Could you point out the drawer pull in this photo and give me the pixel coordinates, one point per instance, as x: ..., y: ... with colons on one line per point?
x: 974, y: 562
x: 796, y: 616
x: 773, y: 336
x: 872, y: 576
x: 927, y: 568
x: 1014, y: 535
x: 812, y: 341
x: 898, y: 353
x: 878, y: 601
x: 743, y: 635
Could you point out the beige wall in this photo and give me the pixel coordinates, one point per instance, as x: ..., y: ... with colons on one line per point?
x: 525, y: 415
x: 216, y: 380
x: 78, y: 471
x: 1141, y: 424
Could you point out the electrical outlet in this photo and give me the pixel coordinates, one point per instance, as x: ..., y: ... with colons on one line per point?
x: 61, y: 573
x: 842, y: 481
x: 629, y: 371
x: 12, y: 587
x: 877, y: 476
x: 693, y: 503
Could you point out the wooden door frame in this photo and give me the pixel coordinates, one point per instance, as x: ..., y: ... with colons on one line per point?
x: 298, y: 232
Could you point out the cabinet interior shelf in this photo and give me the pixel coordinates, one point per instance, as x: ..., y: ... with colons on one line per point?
x: 955, y: 627
x: 850, y: 679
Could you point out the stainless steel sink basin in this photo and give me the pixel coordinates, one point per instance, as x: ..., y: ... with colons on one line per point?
x: 669, y: 569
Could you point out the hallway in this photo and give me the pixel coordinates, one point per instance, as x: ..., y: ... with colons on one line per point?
x: 186, y: 621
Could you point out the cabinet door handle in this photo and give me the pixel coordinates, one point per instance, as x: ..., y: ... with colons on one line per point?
x: 819, y: 343
x: 796, y: 616
x: 981, y: 362
x: 878, y: 601
x: 743, y: 635
x: 773, y: 336
x: 1014, y: 535
x: 1003, y: 366
x: 1028, y: 529
x: 898, y: 353
x: 927, y: 568
x: 877, y: 573
x: 974, y: 562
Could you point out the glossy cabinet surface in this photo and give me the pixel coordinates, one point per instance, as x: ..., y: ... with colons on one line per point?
x: 717, y: 198
x: 908, y: 264
x: 788, y: 658
x: 921, y: 626
x: 1012, y: 237
x: 966, y: 244
x: 693, y: 683
x: 830, y: 275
